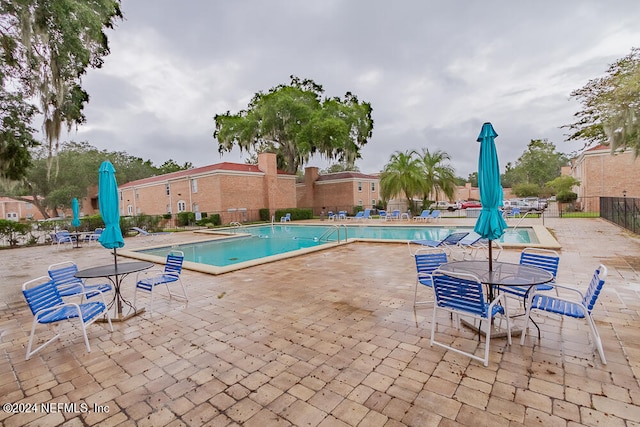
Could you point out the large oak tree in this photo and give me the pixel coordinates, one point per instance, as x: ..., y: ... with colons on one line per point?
x: 294, y: 122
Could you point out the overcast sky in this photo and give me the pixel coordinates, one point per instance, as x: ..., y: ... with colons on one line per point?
x: 433, y: 71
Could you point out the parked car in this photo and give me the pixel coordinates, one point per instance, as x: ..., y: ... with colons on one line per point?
x: 539, y: 204
x: 444, y: 206
x: 520, y: 204
x: 470, y: 204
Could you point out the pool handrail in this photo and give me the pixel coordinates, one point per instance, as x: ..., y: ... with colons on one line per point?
x: 332, y: 230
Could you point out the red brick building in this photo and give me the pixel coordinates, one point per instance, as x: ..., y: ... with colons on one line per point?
x: 603, y: 174
x: 235, y: 191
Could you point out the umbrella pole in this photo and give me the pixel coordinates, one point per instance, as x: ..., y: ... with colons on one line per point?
x: 490, y: 255
x: 118, y: 301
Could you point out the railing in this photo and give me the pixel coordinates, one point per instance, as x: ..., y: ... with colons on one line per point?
x: 236, y: 227
x: 332, y: 230
x: 623, y: 211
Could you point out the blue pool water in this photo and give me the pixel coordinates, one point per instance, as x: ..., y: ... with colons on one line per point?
x: 271, y: 240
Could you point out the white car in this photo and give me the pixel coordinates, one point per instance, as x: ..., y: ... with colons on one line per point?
x: 444, y: 206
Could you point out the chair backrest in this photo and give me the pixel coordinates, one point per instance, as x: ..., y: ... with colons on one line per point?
x: 41, y: 293
x: 63, y: 274
x: 595, y: 286
x: 367, y: 213
x: 435, y: 213
x: 515, y: 211
x: 428, y: 260
x: 454, y: 238
x: 98, y: 231
x: 424, y: 213
x: 359, y: 214
x: 545, y: 259
x: 462, y: 292
x: 174, y: 262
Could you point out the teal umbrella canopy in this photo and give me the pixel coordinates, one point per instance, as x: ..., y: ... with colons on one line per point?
x: 111, y: 237
x: 490, y: 223
x: 75, y: 208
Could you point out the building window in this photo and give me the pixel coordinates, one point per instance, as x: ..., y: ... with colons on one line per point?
x: 28, y: 206
x: 121, y: 196
x: 194, y: 185
x: 182, y: 206
x: 195, y: 208
x: 359, y: 185
x: 129, y: 210
x: 137, y: 194
x: 359, y: 202
x: 168, y: 189
x: 373, y: 203
x: 373, y: 186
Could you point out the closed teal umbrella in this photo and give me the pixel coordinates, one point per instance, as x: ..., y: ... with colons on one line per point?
x: 76, y: 213
x: 490, y: 223
x: 111, y: 237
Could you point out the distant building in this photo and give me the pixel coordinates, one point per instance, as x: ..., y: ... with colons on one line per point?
x: 602, y: 173
x: 15, y: 210
x: 235, y: 191
x: 337, y: 191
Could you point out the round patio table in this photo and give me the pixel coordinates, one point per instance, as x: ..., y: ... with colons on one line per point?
x: 502, y: 274
x: 116, y: 273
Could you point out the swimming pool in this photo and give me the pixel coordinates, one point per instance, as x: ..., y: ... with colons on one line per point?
x: 258, y: 244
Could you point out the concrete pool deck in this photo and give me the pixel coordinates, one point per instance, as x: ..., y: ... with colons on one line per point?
x: 326, y: 339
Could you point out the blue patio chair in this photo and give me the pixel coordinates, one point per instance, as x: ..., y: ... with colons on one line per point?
x: 148, y: 280
x: 427, y: 260
x: 382, y: 215
x: 286, y: 218
x: 395, y: 215
x: 93, y: 237
x: 342, y: 215
x: 62, y: 275
x: 358, y: 216
x: 513, y: 213
x: 331, y: 216
x: 462, y: 295
x: 434, y: 215
x: 61, y: 237
x: 579, y: 307
x: 48, y: 308
x: 424, y: 215
x: 545, y: 259
x: 367, y: 214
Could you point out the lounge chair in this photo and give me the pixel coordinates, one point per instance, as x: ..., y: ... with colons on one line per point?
x: 423, y: 216
x: 463, y: 295
x: 342, y: 215
x: 513, y: 213
x: 47, y: 307
x: 382, y: 215
x: 143, y: 232
x: 367, y: 214
x: 473, y: 243
x: 427, y: 260
x: 394, y: 216
x: 435, y: 215
x: 286, y: 218
x: 358, y: 216
x: 62, y: 275
x: 579, y: 307
x: 146, y: 281
x: 331, y: 216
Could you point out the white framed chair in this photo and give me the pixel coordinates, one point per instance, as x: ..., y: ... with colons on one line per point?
x: 463, y: 295
x: 427, y: 260
x: 48, y: 308
x: 148, y: 280
x: 578, y: 306
x: 62, y: 275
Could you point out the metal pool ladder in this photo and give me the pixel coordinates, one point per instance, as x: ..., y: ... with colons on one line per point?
x: 236, y: 226
x: 333, y: 230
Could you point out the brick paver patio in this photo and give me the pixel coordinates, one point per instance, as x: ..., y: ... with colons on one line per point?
x: 326, y: 339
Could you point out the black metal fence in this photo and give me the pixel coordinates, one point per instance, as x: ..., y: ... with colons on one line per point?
x: 623, y: 211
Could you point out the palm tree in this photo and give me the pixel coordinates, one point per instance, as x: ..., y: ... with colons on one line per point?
x: 403, y: 175
x: 437, y: 175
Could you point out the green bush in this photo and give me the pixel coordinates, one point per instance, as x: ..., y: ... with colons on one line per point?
x: 12, y: 230
x: 566, y: 197
x: 206, y: 220
x: 186, y: 218
x: 264, y: 214
x: 296, y: 214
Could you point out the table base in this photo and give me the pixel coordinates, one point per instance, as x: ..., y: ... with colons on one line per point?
x: 122, y: 317
x: 496, y: 333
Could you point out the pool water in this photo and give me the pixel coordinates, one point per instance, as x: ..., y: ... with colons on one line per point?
x: 269, y: 240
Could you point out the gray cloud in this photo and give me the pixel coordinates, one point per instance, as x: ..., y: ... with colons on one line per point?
x: 433, y: 71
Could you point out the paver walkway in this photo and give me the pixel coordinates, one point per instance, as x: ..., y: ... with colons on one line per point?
x: 326, y: 339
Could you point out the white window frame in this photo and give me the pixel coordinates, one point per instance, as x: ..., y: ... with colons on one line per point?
x: 194, y: 185
x: 182, y: 206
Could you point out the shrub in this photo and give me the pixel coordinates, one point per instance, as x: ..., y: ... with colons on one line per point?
x: 12, y: 230
x: 264, y: 214
x: 296, y: 214
x: 566, y: 197
x: 186, y: 218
